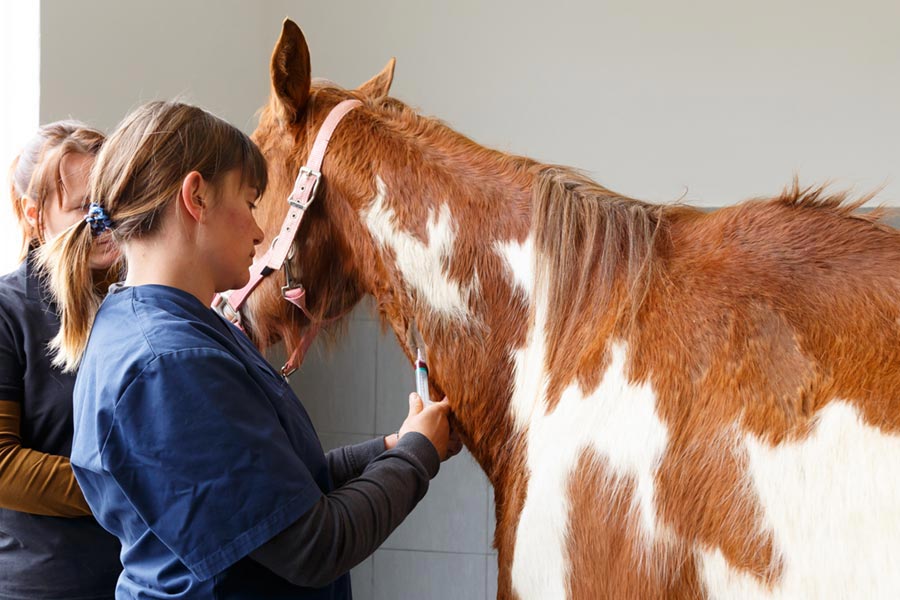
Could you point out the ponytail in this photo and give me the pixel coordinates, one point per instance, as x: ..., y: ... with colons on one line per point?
x: 66, y: 261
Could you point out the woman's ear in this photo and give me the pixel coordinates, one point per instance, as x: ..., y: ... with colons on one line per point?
x: 30, y: 211
x: 194, y: 195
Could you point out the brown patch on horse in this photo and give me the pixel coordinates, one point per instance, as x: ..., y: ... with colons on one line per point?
x: 607, y: 556
x: 711, y: 470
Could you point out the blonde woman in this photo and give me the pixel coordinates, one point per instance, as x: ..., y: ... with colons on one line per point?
x: 50, y: 545
x: 188, y: 445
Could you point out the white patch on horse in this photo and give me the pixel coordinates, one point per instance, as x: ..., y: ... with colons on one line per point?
x: 519, y: 258
x: 423, y: 266
x: 618, y: 421
x: 529, y: 378
x: 832, y: 503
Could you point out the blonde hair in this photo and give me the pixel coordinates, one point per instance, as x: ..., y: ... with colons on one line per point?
x: 35, y: 172
x: 140, y: 170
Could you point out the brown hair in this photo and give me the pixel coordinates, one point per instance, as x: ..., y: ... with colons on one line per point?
x: 35, y: 172
x: 138, y: 172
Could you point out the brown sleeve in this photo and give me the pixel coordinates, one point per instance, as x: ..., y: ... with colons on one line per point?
x: 31, y: 481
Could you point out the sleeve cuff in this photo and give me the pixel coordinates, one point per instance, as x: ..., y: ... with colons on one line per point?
x: 420, y: 447
x: 365, y: 452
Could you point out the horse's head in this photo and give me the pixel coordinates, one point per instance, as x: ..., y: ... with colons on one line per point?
x: 428, y: 222
x: 328, y: 258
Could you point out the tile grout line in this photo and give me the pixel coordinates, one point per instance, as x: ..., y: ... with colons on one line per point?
x: 486, y: 579
x: 375, y: 429
x: 453, y: 552
x: 375, y: 388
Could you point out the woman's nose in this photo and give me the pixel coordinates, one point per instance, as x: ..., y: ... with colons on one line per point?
x: 259, y: 234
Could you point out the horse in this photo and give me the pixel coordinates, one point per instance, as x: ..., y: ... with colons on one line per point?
x: 668, y: 402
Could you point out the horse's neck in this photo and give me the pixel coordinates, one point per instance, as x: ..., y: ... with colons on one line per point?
x: 453, y: 274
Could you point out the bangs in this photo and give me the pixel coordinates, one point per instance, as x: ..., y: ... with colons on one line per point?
x: 223, y: 148
x: 47, y: 179
x: 254, y: 170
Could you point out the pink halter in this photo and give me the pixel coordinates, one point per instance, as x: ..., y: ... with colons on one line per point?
x: 228, y: 304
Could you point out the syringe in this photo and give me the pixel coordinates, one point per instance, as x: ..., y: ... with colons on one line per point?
x: 422, y: 378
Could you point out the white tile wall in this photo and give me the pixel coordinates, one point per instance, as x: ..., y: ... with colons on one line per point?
x: 401, y: 574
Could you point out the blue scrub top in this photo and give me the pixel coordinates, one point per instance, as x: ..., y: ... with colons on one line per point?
x: 191, y: 449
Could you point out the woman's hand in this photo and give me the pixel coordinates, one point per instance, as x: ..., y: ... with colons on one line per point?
x: 432, y: 422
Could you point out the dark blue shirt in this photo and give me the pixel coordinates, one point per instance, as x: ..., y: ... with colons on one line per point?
x: 191, y: 449
x: 44, y: 557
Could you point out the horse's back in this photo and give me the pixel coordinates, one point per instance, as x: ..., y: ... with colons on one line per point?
x: 741, y: 440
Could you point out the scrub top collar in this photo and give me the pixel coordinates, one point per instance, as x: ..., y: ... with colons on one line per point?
x: 154, y: 292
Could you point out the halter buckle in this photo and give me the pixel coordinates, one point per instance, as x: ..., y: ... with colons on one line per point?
x: 306, y: 177
x: 223, y: 308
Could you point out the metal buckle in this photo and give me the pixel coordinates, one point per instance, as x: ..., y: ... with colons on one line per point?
x: 305, y: 172
x: 289, y: 283
x: 224, y: 309
x: 289, y: 288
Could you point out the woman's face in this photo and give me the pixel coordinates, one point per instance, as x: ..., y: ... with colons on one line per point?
x: 231, y: 232
x: 61, y: 213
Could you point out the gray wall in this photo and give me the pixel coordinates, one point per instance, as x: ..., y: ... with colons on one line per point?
x: 101, y: 58
x: 716, y: 100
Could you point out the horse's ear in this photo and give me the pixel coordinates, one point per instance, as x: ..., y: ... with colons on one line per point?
x: 380, y: 85
x: 290, y: 72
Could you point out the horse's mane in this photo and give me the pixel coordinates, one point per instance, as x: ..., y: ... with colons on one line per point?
x: 840, y: 203
x: 596, y: 252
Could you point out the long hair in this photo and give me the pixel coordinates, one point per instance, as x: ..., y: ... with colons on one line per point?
x: 138, y: 172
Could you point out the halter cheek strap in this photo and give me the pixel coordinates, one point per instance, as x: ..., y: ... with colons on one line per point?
x: 228, y: 304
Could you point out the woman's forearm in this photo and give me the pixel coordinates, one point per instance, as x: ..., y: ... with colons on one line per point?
x: 351, y: 522
x: 32, y: 481
x: 348, y: 462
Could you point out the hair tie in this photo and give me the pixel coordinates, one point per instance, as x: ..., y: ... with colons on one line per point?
x: 97, y: 219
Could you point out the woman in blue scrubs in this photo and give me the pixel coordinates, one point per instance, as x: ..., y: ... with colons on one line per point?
x: 189, y: 446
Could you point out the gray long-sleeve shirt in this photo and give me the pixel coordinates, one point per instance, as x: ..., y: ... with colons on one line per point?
x: 374, y: 491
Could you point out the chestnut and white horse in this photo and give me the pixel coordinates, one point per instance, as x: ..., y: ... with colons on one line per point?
x: 669, y: 403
